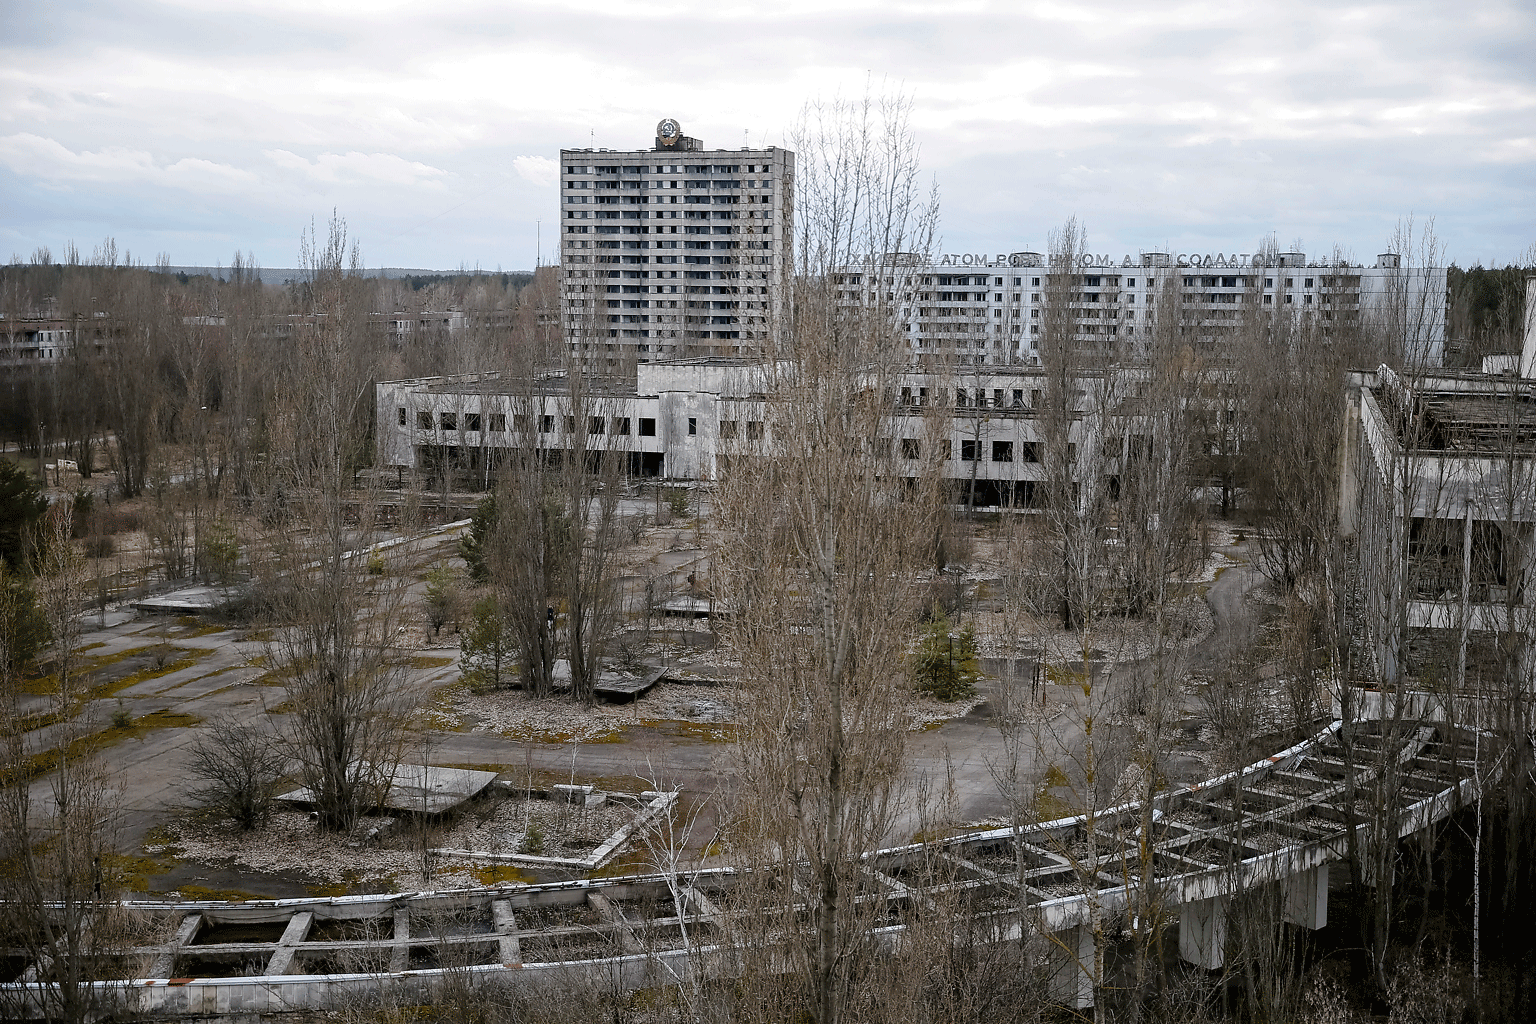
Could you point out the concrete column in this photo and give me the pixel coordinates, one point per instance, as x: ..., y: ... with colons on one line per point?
x: 1306, y: 898
x: 1203, y: 932
x: 1072, y: 967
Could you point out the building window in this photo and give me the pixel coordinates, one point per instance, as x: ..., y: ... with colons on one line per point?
x: 621, y: 426
x: 1029, y: 451
x: 693, y: 425
x: 424, y: 421
x: 727, y: 429
x: 402, y: 415
x: 1002, y: 451
x: 472, y: 421
x: 968, y: 451
x: 498, y: 422
x: 546, y: 424
x: 448, y: 420
x: 754, y: 430
x: 911, y: 448
x: 647, y: 426
x: 1018, y: 398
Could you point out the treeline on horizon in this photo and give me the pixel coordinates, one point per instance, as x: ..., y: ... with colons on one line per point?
x: 1487, y: 314
x: 28, y: 285
x: 163, y: 359
x: 1486, y: 309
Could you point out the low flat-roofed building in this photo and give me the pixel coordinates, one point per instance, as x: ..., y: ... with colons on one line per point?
x: 681, y: 419
x: 1438, y: 492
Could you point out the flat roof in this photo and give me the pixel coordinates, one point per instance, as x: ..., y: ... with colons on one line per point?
x: 1498, y: 419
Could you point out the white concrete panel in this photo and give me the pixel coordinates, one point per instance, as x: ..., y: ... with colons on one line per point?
x: 1203, y: 932
x: 1306, y: 898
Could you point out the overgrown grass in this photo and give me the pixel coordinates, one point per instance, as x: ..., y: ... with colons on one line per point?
x: 45, y: 761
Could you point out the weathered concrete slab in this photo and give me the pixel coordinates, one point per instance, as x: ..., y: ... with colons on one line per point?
x: 188, y: 600
x: 689, y: 607
x: 620, y: 687
x: 420, y: 789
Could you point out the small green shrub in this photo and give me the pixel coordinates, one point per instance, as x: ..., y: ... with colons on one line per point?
x: 946, y: 664
x: 376, y: 565
x: 121, y: 719
x: 533, y: 840
x: 219, y: 550
x: 677, y: 501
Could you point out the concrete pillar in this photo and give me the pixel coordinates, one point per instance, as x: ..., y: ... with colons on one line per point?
x: 1306, y: 898
x: 1203, y: 932
x: 1528, y: 349
x: 1072, y: 967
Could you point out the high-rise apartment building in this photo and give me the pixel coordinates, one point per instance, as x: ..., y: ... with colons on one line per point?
x: 984, y: 310
x: 675, y: 251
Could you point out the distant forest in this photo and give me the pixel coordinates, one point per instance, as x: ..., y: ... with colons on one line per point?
x: 1487, y: 314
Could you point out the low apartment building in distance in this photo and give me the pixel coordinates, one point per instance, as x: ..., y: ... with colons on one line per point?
x: 986, y: 310
x: 675, y: 251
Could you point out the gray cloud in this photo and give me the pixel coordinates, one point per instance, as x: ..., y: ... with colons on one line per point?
x: 433, y: 129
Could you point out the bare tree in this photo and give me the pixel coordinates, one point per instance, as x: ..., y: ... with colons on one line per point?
x: 822, y: 534
x: 1079, y: 396
x: 240, y: 764
x: 348, y: 706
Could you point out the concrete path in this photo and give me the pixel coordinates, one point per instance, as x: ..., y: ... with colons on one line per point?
x: 952, y: 766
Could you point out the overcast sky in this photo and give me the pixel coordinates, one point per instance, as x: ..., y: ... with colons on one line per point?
x: 198, y: 128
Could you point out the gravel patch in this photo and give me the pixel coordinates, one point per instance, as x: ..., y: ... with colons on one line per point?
x: 557, y: 719
x: 289, y: 842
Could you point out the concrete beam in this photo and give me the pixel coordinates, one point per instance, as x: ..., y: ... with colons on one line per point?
x: 609, y: 913
x: 296, y: 932
x: 164, y: 962
x: 400, y: 956
x: 506, y: 929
